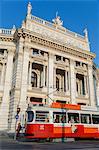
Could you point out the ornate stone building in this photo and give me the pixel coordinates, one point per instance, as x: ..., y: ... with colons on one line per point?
x: 43, y: 62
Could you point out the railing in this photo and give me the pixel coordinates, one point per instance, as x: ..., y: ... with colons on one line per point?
x: 59, y: 28
x: 7, y: 31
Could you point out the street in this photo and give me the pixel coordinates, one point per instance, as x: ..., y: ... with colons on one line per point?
x: 10, y: 144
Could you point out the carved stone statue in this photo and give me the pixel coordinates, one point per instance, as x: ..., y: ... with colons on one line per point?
x: 29, y: 8
x: 57, y: 21
x: 86, y: 32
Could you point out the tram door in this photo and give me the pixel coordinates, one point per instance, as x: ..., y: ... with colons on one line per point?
x: 43, y: 128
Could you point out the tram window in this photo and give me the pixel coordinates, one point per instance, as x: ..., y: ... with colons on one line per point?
x: 85, y: 118
x: 30, y: 116
x: 59, y: 117
x: 42, y: 116
x: 95, y: 119
x: 73, y: 118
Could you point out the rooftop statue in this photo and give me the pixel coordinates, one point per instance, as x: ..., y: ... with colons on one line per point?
x: 29, y: 9
x: 57, y: 20
x: 86, y: 32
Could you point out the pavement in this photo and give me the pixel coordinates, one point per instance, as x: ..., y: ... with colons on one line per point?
x: 8, y: 143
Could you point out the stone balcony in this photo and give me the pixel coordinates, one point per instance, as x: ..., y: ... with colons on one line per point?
x: 39, y: 56
x: 82, y: 96
x: 7, y: 31
x: 61, y: 62
x: 37, y: 89
x: 62, y: 93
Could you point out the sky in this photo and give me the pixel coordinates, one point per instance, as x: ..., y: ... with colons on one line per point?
x: 76, y: 15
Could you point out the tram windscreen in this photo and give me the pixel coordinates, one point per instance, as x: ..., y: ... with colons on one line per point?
x: 30, y: 116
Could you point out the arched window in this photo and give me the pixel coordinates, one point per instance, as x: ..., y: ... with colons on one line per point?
x: 57, y: 84
x: 34, y: 79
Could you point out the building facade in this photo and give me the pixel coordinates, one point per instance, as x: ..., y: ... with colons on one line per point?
x: 43, y: 62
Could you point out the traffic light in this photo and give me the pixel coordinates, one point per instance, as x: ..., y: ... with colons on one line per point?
x: 18, y: 110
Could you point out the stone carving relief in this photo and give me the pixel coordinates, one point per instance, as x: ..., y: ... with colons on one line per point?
x: 58, y: 37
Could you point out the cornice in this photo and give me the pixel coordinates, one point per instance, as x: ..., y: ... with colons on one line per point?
x: 7, y: 38
x: 58, y: 46
x: 48, y: 42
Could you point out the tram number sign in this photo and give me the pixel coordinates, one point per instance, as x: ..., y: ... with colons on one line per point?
x: 42, y: 127
x: 16, y: 117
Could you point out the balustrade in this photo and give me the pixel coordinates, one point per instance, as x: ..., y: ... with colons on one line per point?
x: 59, y: 28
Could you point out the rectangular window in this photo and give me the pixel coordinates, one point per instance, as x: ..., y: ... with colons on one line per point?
x: 1, y: 51
x: 95, y: 119
x: 35, y: 51
x: 59, y: 117
x: 58, y: 58
x: 73, y: 118
x: 42, y: 116
x: 85, y: 118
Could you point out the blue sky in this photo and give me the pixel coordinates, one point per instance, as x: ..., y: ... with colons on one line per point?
x: 76, y: 15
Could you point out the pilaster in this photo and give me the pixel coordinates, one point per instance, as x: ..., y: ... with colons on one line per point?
x: 15, y: 94
x: 43, y: 75
x: 30, y: 71
x: 97, y: 94
x: 73, y: 82
x: 24, y: 79
x: 54, y: 76
x: 91, y: 86
x: 7, y: 87
x: 3, y: 74
x: 50, y: 78
x: 85, y: 86
x: 66, y: 81
x: 19, y: 62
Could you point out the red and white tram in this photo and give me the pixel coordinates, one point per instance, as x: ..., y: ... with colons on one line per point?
x: 62, y: 120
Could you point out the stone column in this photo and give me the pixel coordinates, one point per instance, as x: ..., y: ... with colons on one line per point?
x: 24, y: 85
x: 38, y: 79
x: 91, y: 86
x: 54, y: 76
x: 68, y: 81
x: 60, y: 83
x: 15, y: 99
x: 47, y: 76
x: 50, y: 78
x: 85, y: 86
x: 3, y: 74
x: 43, y: 75
x: 41, y: 78
x: 63, y: 90
x: 30, y: 71
x: 19, y: 62
x: 66, y: 86
x: 81, y: 87
x: 4, y: 110
x: 97, y: 93
x: 72, y: 82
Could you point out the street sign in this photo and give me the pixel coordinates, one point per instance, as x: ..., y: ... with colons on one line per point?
x: 16, y: 117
